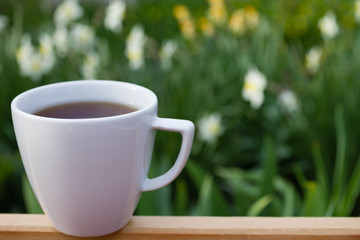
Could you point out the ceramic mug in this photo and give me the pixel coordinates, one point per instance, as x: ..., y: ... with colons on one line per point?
x: 88, y: 174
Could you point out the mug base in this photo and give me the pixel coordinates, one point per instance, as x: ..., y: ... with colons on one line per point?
x: 92, y: 233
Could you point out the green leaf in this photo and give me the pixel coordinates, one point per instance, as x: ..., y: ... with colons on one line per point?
x: 204, y: 207
x: 244, y: 186
x: 259, y: 205
x: 181, y: 198
x: 157, y: 202
x: 31, y: 203
x: 196, y: 172
x: 240, y: 181
x: 314, y: 205
x: 269, y: 165
x: 211, y: 201
x: 352, y: 192
x: 320, y: 170
x: 288, y: 193
x: 339, y: 168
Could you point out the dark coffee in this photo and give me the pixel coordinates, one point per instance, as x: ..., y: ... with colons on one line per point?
x: 79, y: 110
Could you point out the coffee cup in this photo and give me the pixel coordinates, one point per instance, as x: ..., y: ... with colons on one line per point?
x: 88, y: 173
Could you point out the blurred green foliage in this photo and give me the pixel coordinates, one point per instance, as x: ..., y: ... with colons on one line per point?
x: 265, y: 160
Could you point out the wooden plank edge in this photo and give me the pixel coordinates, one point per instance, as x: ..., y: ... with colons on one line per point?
x: 160, y: 227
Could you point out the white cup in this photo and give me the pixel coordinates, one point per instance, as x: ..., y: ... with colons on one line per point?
x: 88, y: 174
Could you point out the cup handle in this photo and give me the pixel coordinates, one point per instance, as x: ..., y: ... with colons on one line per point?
x: 186, y: 129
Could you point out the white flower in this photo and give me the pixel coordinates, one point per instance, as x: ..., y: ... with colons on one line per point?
x: 167, y: 50
x: 357, y: 10
x: 61, y: 42
x: 68, y: 11
x: 328, y: 25
x: 34, y: 63
x: 312, y: 59
x: 287, y: 99
x: 3, y: 22
x: 254, y: 86
x: 134, y: 50
x: 210, y: 127
x: 25, y: 50
x: 90, y: 65
x: 33, y: 67
x: 114, y: 16
x: 47, y: 53
x: 82, y: 36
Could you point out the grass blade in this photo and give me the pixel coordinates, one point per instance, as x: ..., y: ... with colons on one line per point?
x: 269, y: 165
x: 339, y: 168
x: 352, y: 192
x: 259, y: 205
x: 320, y: 170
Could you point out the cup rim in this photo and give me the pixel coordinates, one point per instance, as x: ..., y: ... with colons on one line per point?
x: 15, y: 108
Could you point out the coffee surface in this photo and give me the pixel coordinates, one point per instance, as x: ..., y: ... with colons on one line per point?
x: 79, y: 110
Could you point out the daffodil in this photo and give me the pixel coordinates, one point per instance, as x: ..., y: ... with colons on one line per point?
x: 288, y: 101
x: 82, y: 36
x: 114, y: 16
x: 181, y: 12
x: 187, y: 28
x: 328, y: 26
x: 210, y: 127
x: 312, y: 59
x: 25, y: 50
x: 186, y: 24
x: 166, y: 53
x: 252, y: 17
x: 33, y: 67
x: 134, y: 50
x: 206, y: 27
x: 47, y: 53
x: 237, y: 22
x: 217, y: 11
x: 90, y: 65
x: 61, y: 41
x: 67, y: 12
x: 254, y: 86
x: 33, y: 62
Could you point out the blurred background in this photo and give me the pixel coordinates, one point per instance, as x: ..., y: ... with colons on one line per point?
x: 273, y: 88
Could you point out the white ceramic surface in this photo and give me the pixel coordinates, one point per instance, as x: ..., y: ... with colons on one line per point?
x: 88, y: 174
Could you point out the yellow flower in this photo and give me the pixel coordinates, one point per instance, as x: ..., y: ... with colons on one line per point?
x: 217, y: 11
x: 237, y: 22
x: 215, y: 2
x: 206, y: 27
x: 251, y: 16
x: 187, y: 28
x: 181, y: 12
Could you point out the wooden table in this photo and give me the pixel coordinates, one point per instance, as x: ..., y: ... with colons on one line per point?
x: 30, y: 226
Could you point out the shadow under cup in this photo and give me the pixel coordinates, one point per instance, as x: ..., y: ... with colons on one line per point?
x: 88, y: 174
